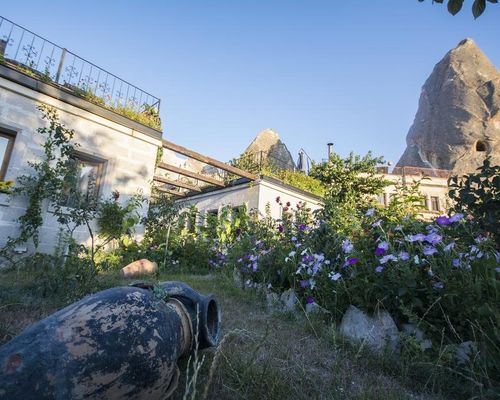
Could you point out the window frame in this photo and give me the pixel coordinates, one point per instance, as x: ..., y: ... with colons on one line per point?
x: 11, y: 137
x: 101, y: 164
x: 435, y: 200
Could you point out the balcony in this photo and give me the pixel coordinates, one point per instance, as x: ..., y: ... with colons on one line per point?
x: 32, y: 55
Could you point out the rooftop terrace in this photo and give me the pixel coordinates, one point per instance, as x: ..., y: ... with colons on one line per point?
x: 41, y: 59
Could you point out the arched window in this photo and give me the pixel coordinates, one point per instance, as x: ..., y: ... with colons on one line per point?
x: 481, y: 146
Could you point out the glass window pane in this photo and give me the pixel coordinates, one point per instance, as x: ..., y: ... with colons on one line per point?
x: 3, y: 148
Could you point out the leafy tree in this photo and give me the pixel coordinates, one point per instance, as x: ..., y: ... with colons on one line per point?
x: 454, y: 6
x: 350, y: 186
x: 479, y: 196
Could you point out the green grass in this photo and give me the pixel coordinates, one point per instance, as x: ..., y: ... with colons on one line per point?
x: 262, y: 355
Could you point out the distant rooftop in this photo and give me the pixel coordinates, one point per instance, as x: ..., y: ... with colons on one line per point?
x: 41, y: 59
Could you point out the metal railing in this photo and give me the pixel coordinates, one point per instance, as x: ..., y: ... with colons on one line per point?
x: 49, y: 62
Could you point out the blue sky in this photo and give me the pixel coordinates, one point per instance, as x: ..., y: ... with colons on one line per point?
x: 349, y: 72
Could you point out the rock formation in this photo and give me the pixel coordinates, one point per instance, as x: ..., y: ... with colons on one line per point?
x: 458, y: 120
x: 267, y: 146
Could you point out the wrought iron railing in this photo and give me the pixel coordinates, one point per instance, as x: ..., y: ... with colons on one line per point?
x: 41, y: 58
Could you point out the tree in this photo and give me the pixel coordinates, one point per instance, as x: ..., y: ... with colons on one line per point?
x: 351, y: 185
x: 454, y: 6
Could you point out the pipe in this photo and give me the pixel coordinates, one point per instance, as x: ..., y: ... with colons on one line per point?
x: 120, y: 343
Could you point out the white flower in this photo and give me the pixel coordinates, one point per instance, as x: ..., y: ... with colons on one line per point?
x: 370, y: 212
x: 334, y: 276
x: 347, y: 246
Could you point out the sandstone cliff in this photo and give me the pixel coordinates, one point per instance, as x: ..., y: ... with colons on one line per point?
x: 268, y: 146
x: 458, y: 120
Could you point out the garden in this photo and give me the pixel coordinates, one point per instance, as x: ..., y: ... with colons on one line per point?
x: 439, y: 280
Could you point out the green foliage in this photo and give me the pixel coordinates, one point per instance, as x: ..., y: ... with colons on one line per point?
x: 5, y: 186
x: 116, y: 220
x: 406, y: 202
x: 478, y: 195
x: 301, y: 181
x: 49, y: 177
x: 351, y: 184
x: 454, y: 6
x: 298, y: 179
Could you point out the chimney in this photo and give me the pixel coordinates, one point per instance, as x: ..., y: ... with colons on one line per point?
x: 302, y: 161
x: 330, y: 149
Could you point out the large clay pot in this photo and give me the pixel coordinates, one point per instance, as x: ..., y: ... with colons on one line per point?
x: 121, y: 343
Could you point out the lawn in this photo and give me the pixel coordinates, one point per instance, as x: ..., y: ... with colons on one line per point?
x: 263, y: 354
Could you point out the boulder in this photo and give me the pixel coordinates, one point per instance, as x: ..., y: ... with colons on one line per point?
x: 138, y: 268
x: 457, y: 123
x: 412, y: 330
x: 289, y: 300
x: 377, y: 332
x: 273, y: 302
x: 315, y: 308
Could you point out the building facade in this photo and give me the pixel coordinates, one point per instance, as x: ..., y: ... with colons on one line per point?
x: 114, y: 153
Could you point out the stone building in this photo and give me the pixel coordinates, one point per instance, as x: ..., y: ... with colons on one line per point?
x: 116, y: 152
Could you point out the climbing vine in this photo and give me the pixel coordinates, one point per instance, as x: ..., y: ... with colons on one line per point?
x: 49, y: 177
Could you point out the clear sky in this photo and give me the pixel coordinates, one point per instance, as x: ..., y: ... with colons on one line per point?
x: 349, y: 72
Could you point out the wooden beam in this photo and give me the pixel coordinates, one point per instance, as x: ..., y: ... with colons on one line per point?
x: 173, y: 192
x: 191, y: 174
x: 176, y: 183
x: 208, y: 160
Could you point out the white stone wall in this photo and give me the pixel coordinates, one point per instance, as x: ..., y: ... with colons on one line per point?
x: 255, y: 196
x: 269, y: 191
x: 430, y: 186
x: 130, y: 154
x: 245, y: 194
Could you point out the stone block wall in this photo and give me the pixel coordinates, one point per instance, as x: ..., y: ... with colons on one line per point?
x: 128, y: 153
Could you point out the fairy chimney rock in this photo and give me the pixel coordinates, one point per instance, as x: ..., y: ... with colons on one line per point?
x: 268, y: 146
x: 457, y: 123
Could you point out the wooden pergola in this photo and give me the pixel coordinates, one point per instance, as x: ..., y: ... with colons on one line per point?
x: 190, y: 174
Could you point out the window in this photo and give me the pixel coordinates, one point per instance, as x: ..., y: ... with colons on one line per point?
x: 6, y: 146
x: 434, y: 203
x: 85, y: 189
x: 481, y: 146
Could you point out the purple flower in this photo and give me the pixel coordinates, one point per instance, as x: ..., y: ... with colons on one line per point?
x: 377, y: 223
x: 347, y: 246
x: 429, y: 250
x: 433, y: 238
x: 456, y: 262
x: 438, y: 285
x: 403, y: 255
x: 304, y: 284
x: 379, y: 269
x: 497, y: 269
x: 293, y: 239
x: 449, y: 247
x: 443, y: 220
x: 351, y: 261
x: 307, y: 258
x: 388, y: 257
x: 280, y: 229
x: 302, y: 227
x: 381, y: 248
x: 334, y: 276
x: 456, y: 218
x: 254, y: 266
x: 309, y: 299
x: 419, y: 237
